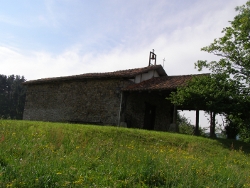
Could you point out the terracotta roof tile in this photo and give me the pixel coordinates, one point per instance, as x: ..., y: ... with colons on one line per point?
x: 161, y: 83
x: 129, y: 73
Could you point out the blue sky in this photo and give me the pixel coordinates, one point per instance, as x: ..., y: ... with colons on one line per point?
x: 55, y: 25
x: 49, y: 38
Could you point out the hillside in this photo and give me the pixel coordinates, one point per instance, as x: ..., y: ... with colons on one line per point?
x: 42, y: 154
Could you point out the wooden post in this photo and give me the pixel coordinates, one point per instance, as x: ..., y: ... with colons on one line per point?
x: 175, y: 119
x: 173, y: 126
x: 174, y: 115
x: 197, y: 130
x: 212, y: 125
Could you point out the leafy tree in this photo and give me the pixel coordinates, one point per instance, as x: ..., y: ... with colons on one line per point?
x: 185, y: 126
x: 3, y: 100
x: 212, y: 93
x: 226, y: 89
x: 232, y: 128
x: 234, y: 50
x: 12, y: 96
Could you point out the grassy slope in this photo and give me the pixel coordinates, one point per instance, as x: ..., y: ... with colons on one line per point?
x: 40, y: 154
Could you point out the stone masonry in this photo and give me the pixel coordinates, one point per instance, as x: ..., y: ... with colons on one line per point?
x: 86, y: 101
x: 133, y: 98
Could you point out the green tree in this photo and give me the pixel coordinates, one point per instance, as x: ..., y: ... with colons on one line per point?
x: 212, y: 93
x: 226, y: 89
x: 12, y: 96
x: 234, y: 50
x: 3, y: 100
x: 185, y: 126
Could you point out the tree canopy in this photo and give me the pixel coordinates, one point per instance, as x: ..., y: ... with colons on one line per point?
x: 12, y: 96
x: 226, y: 89
x: 233, y: 48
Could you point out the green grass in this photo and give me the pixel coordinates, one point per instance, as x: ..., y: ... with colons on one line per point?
x: 42, y: 154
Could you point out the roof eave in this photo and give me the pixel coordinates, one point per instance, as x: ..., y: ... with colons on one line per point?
x: 64, y: 79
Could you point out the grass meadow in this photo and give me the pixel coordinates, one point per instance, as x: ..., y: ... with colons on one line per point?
x: 42, y: 154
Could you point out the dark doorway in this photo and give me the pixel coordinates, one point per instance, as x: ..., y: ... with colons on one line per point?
x: 149, y: 118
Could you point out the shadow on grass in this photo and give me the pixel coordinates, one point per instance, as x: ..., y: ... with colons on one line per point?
x: 234, y: 145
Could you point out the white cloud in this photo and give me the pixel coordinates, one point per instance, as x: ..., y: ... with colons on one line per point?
x: 176, y: 37
x: 121, y: 38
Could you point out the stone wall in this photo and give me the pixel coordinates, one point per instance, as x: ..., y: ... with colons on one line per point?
x: 86, y: 101
x: 135, y: 109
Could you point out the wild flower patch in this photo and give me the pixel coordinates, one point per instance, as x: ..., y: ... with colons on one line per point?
x: 41, y: 154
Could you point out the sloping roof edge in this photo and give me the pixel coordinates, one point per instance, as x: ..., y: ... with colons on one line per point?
x: 129, y: 73
x: 162, y: 83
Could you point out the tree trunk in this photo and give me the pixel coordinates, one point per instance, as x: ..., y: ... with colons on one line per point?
x: 212, y: 125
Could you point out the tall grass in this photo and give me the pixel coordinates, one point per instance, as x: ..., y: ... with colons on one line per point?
x: 41, y: 154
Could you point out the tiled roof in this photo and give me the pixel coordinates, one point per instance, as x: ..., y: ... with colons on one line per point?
x: 129, y: 73
x: 161, y: 83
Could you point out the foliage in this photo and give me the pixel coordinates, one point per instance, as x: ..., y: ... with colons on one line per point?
x: 242, y: 126
x: 231, y: 128
x: 234, y: 50
x: 185, y: 126
x: 42, y: 154
x: 209, y: 92
x: 12, y: 97
x: 226, y: 90
x: 212, y: 93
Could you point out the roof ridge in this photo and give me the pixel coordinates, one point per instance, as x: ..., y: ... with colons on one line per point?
x: 129, y: 73
x: 139, y: 68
